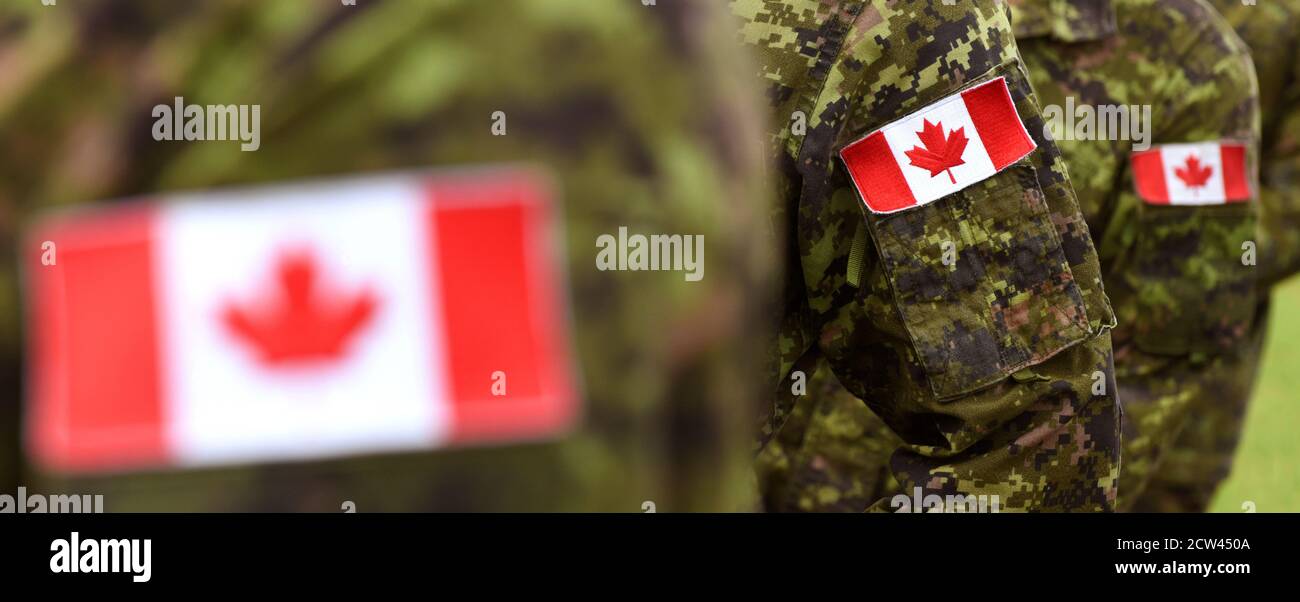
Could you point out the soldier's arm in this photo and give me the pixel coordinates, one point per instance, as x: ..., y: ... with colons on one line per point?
x: 1185, y: 276
x: 993, y: 366
x: 645, y: 135
x: 1279, y: 194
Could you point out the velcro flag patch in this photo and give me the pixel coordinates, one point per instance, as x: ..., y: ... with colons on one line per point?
x: 300, y: 321
x: 938, y: 150
x: 1203, y: 173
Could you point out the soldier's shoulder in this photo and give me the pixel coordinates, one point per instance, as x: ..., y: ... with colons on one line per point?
x: 1268, y: 15
x: 1192, y: 42
x: 1178, y: 26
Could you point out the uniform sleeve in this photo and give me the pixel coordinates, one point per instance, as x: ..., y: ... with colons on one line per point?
x: 1279, y: 248
x: 993, y: 367
x: 1182, y: 276
x: 650, y: 134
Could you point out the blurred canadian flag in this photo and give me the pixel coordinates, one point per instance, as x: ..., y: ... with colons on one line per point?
x: 1202, y: 173
x: 300, y: 321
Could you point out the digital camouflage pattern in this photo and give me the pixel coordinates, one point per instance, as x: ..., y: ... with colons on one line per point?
x: 832, y: 455
x: 632, y: 108
x: 1202, y: 455
x: 1186, y: 304
x: 1186, y: 301
x: 984, y: 367
x: 1272, y: 31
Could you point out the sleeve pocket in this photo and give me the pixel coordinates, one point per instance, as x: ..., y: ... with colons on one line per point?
x: 981, y: 282
x: 1195, y: 291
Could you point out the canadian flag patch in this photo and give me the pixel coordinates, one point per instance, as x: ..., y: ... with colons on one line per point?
x: 301, y: 321
x: 938, y: 150
x: 1203, y: 173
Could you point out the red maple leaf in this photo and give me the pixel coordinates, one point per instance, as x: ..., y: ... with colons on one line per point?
x: 1193, y: 174
x: 940, y: 153
x: 297, y: 323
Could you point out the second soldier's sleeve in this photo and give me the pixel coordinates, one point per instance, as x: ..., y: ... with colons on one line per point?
x: 1279, y: 192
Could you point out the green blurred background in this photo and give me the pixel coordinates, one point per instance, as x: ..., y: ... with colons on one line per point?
x: 1267, y: 470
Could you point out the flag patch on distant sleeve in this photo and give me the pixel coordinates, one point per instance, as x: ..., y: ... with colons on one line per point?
x: 1202, y: 173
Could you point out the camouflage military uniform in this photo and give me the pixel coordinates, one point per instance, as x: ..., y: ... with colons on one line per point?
x: 985, y: 367
x: 1187, y: 336
x: 630, y: 107
x: 832, y: 455
x: 1202, y: 455
x: 1185, y: 302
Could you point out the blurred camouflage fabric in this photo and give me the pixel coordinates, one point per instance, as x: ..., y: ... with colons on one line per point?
x: 986, y: 367
x: 1186, y: 303
x: 634, y: 110
x: 1201, y: 456
x: 1272, y: 31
